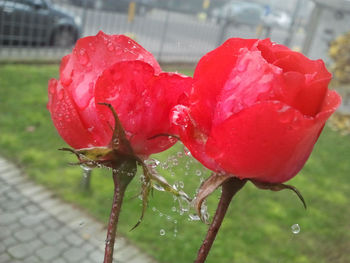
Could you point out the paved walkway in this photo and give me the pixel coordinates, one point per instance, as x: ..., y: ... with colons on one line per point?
x: 37, y: 227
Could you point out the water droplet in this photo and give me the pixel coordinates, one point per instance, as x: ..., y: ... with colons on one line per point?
x: 295, y: 229
x: 60, y: 95
x: 194, y: 217
x: 83, y: 58
x: 158, y: 187
x: 165, y: 166
x: 187, y: 152
x: 173, y: 209
x: 179, y: 116
x: 162, y: 232
x: 181, y: 184
x: 180, y: 154
x: 175, y: 162
x: 110, y: 46
x: 154, y: 209
x: 153, y: 163
x: 92, y: 47
x: 198, y: 173
x: 85, y: 167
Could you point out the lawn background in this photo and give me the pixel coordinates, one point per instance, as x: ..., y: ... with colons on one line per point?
x: 257, y: 226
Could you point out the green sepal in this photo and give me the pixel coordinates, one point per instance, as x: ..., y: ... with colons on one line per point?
x: 279, y: 187
x: 206, y: 188
x: 119, y: 141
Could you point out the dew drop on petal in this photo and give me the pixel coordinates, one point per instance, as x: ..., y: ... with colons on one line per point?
x: 92, y: 47
x: 110, y: 46
x: 83, y: 58
x: 295, y: 229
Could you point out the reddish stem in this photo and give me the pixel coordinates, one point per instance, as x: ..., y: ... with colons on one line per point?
x: 118, y: 196
x: 229, y: 189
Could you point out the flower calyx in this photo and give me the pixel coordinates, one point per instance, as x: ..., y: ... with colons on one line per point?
x: 210, y: 185
x: 279, y: 187
x: 219, y: 179
x: 120, y: 157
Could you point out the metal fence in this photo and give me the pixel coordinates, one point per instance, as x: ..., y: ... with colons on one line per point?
x: 172, y: 30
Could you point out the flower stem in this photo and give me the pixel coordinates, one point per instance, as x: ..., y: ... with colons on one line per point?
x: 229, y: 189
x: 119, y: 190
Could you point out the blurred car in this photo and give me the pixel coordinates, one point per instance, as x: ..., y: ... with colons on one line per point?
x: 37, y: 22
x: 238, y: 13
x: 251, y: 14
x: 187, y: 6
x: 84, y: 3
x: 121, y: 6
x: 180, y: 6
x: 277, y: 18
x: 141, y: 7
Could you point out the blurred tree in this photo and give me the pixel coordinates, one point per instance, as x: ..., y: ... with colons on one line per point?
x: 339, y: 51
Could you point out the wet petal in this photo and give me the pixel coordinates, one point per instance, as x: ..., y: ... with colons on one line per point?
x: 90, y: 57
x: 66, y: 118
x: 142, y: 101
x: 211, y: 73
x: 269, y: 141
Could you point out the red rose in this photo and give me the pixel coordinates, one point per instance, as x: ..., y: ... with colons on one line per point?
x: 114, y: 69
x: 256, y: 110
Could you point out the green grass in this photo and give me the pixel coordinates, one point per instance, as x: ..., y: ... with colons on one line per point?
x: 257, y: 226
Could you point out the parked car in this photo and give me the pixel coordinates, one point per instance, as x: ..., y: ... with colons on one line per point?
x: 277, y: 18
x: 187, y: 6
x: 121, y: 6
x: 251, y: 14
x: 37, y: 22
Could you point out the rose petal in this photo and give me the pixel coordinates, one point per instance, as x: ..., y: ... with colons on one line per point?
x: 210, y: 74
x: 251, y: 80
x: 90, y: 57
x: 331, y: 102
x: 269, y: 141
x: 193, y: 138
x: 142, y: 101
x: 66, y: 118
x: 268, y: 49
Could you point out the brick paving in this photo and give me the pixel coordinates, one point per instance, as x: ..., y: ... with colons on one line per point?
x: 37, y: 227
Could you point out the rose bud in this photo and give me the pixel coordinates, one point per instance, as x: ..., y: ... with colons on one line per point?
x: 115, y: 70
x: 256, y: 110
